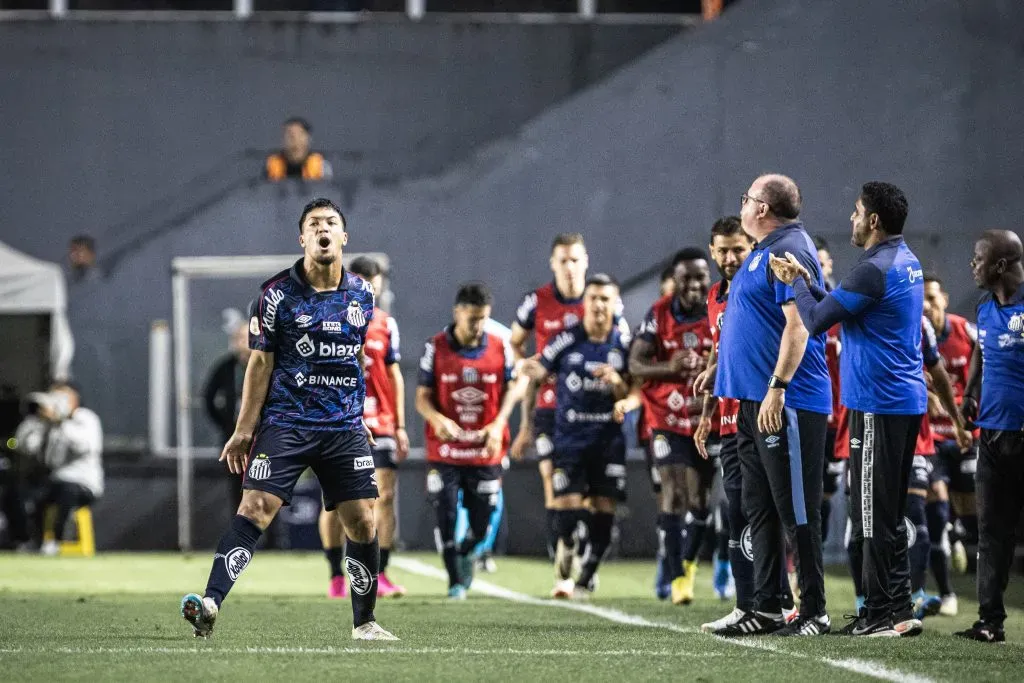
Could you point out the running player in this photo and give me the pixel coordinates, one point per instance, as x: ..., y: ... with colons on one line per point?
x: 545, y: 312
x: 588, y: 361
x: 465, y: 396
x: 669, y: 352
x: 957, y: 338
x: 384, y: 414
x: 302, y: 406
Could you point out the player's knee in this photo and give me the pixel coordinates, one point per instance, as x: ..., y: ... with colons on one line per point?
x: 386, y: 497
x: 259, y: 507
x: 362, y: 529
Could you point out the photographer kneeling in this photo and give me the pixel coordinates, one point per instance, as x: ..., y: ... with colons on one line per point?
x: 67, y: 439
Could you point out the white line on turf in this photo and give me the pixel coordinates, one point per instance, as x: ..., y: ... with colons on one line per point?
x: 871, y: 669
x: 370, y: 650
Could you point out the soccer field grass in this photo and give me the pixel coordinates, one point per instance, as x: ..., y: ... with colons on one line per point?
x: 115, y: 617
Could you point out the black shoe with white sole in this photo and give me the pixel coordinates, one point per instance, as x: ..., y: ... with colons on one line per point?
x: 872, y: 627
x: 983, y: 633
x: 752, y: 624
x: 906, y: 624
x: 806, y: 626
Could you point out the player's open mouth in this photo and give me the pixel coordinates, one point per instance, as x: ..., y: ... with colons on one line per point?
x: 324, y: 242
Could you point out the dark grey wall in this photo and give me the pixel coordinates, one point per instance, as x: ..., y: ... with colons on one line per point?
x: 99, y: 119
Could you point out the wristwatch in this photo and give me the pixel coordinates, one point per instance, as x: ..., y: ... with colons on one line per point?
x: 776, y: 383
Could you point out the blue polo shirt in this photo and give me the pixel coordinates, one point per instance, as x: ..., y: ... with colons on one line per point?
x: 1001, y: 335
x: 753, y: 325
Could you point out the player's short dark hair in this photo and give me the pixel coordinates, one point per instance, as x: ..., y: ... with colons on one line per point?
x: 933, y: 277
x: 783, y: 198
x: 821, y: 244
x: 322, y: 203
x: 667, y: 273
x: 473, y: 294
x: 726, y: 226
x: 689, y: 254
x: 365, y: 267
x: 889, y: 202
x: 602, y: 280
x: 84, y: 241
x: 298, y: 121
x: 567, y: 239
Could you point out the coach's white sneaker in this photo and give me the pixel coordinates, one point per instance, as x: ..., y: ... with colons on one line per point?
x: 563, y: 589
x: 371, y: 630
x: 728, y: 620
x: 949, y: 607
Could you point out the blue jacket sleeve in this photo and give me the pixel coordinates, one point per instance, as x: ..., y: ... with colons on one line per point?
x: 863, y: 287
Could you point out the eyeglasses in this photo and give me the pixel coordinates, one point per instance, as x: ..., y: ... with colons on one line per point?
x: 744, y: 198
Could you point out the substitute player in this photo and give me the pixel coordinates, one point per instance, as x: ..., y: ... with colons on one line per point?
x: 465, y: 396
x: 589, y: 362
x: 384, y: 414
x: 545, y: 312
x: 302, y: 406
x: 993, y: 402
x: 670, y: 350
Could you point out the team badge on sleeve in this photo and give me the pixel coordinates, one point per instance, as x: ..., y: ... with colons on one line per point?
x: 355, y: 315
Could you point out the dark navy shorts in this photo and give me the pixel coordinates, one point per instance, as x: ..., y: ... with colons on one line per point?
x: 341, y: 461
x: 598, y: 470
x: 956, y: 469
x: 923, y: 472
x: 544, y: 433
x: 669, y: 448
x: 384, y: 452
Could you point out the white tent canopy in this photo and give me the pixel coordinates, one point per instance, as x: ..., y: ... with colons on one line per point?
x: 31, y: 286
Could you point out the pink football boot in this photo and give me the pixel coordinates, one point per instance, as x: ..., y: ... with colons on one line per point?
x: 338, y: 588
x: 386, y: 589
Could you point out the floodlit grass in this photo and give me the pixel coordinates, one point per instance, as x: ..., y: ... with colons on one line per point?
x: 115, y: 617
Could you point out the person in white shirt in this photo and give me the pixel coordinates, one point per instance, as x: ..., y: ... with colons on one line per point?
x: 68, y: 440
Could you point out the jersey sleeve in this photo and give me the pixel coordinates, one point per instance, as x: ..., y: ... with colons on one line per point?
x: 864, y: 286
x: 971, y: 330
x: 526, y: 313
x: 510, y: 360
x: 426, y: 374
x: 263, y: 320
x: 552, y: 353
x: 784, y: 293
x: 929, y: 344
x: 392, y: 355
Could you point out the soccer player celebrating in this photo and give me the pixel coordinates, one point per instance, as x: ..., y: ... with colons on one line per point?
x: 669, y: 352
x: 546, y: 311
x: 302, y: 406
x: 769, y: 362
x: 993, y: 402
x: 588, y: 361
x: 466, y: 395
x: 384, y: 414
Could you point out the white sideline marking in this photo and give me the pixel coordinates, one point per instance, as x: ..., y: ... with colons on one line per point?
x: 871, y: 669
x: 391, y: 650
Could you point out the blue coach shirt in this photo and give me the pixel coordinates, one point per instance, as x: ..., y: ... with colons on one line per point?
x: 754, y: 321
x: 1001, y: 335
x: 317, y: 382
x: 583, y: 414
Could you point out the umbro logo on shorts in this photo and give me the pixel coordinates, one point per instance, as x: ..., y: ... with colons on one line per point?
x: 773, y: 440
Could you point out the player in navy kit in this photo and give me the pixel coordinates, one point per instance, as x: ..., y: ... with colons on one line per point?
x: 302, y: 406
x: 992, y: 400
x: 589, y: 364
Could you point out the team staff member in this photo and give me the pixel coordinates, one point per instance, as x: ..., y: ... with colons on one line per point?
x: 465, y: 396
x: 880, y: 305
x: 993, y: 402
x: 768, y: 361
x: 384, y: 415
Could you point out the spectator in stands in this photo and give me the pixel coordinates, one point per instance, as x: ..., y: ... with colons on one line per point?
x: 82, y: 259
x: 67, y: 439
x: 296, y: 160
x: 223, y: 389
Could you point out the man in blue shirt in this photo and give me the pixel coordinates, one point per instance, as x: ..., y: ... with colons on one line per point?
x: 880, y: 305
x: 777, y: 370
x: 589, y: 364
x: 302, y: 406
x: 994, y: 401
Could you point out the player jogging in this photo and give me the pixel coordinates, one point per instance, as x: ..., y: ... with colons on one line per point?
x: 384, y: 414
x: 546, y: 311
x: 466, y: 395
x: 669, y: 352
x: 588, y: 362
x: 302, y: 406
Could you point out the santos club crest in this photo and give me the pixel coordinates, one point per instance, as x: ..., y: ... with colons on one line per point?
x: 355, y: 315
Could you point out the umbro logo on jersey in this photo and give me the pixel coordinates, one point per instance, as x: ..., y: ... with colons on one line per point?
x: 304, y: 320
x: 469, y: 396
x: 574, y: 358
x: 355, y: 315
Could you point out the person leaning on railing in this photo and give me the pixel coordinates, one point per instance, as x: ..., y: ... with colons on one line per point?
x: 295, y: 159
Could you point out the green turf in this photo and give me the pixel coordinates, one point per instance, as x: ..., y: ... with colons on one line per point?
x: 116, y: 617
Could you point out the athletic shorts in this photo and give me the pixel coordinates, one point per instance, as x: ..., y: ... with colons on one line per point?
x: 957, y: 468
x: 922, y: 473
x: 544, y: 433
x: 341, y: 461
x: 834, y: 466
x: 669, y: 448
x: 384, y: 452
x: 483, y: 482
x: 598, y: 470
